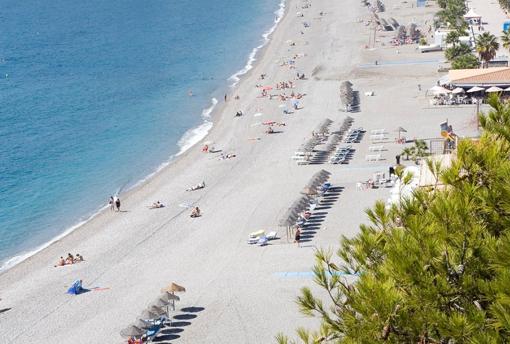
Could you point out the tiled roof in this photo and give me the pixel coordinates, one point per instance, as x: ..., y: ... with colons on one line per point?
x: 497, y: 75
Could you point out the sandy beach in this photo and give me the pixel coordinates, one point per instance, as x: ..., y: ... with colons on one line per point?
x: 240, y: 293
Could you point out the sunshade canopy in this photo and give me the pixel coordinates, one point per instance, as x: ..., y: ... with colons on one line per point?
x: 494, y: 89
x: 475, y: 89
x: 132, y: 331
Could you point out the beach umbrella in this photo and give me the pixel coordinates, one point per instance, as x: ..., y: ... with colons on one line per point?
x: 267, y: 88
x: 132, y: 331
x: 142, y: 324
x: 161, y: 302
x: 494, y: 89
x: 157, y: 310
x: 475, y: 89
x: 310, y: 191
x: 436, y: 90
x: 173, y: 287
x: 507, y: 89
x: 400, y: 130
x: 146, y: 314
x: 458, y: 90
x: 170, y: 297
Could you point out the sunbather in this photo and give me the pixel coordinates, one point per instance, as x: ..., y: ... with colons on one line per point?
x: 79, y: 258
x: 195, y: 212
x: 196, y: 187
x: 69, y: 259
x: 157, y: 205
x: 61, y: 262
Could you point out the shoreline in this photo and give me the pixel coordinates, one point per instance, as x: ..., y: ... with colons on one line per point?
x: 190, y: 139
x: 236, y: 289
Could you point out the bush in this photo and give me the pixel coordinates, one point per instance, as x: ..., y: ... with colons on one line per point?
x: 467, y: 61
x: 456, y: 51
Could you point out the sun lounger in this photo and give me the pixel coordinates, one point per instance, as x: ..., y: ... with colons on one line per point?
x: 262, y: 241
x: 271, y: 235
x: 151, y: 333
x: 373, y: 157
x: 375, y: 148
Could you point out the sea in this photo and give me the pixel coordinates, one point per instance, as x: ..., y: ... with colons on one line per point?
x: 95, y: 98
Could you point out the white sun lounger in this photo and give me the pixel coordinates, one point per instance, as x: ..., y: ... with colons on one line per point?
x: 373, y: 157
x: 376, y: 148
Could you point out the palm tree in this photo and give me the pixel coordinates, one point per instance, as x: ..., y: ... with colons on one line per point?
x: 486, y: 46
x: 407, y: 152
x: 505, y: 38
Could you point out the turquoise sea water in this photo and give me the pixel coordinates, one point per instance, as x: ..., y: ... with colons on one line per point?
x: 94, y: 97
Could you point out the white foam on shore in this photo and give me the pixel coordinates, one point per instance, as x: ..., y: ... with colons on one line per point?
x: 25, y: 255
x: 195, y: 135
x: 235, y: 78
x: 188, y: 140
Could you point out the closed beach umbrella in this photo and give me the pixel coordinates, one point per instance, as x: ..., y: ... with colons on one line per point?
x: 475, y: 89
x: 458, y: 90
x: 132, y: 331
x: 494, y: 89
x: 174, y: 287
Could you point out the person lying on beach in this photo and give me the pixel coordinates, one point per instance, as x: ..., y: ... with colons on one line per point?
x: 227, y: 156
x: 238, y: 114
x: 157, y: 205
x: 61, y: 262
x: 69, y: 259
x: 196, y: 187
x: 79, y: 258
x: 195, y: 212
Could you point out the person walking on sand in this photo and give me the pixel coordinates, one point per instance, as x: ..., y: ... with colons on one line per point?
x: 117, y: 203
x: 225, y: 97
x: 111, y: 202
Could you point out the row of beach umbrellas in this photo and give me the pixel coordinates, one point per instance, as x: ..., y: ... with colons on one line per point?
x: 302, y: 203
x: 437, y: 90
x: 346, y: 93
x: 155, y: 310
x: 322, y: 128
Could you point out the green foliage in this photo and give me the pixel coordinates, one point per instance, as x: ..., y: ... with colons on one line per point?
x: 433, y: 269
x: 457, y: 51
x: 486, y: 46
x: 467, y: 61
x: 451, y: 14
x: 419, y: 150
x: 505, y: 39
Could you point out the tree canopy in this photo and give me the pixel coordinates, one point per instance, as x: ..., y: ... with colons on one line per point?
x: 487, y: 46
x: 433, y: 269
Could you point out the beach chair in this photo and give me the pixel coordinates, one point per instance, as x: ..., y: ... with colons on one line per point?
x: 375, y: 148
x: 262, y: 241
x: 151, y: 333
x: 272, y: 235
